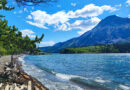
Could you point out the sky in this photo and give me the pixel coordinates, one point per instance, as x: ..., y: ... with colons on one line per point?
x: 64, y: 19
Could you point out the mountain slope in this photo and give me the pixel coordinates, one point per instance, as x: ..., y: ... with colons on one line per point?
x: 111, y: 30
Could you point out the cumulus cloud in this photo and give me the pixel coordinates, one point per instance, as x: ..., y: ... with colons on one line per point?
x: 20, y: 11
x: 28, y: 32
x: 128, y: 2
x: 29, y: 17
x: 41, y: 18
x: 60, y: 20
x: 73, y: 4
x: 13, y: 2
x: 128, y: 16
x: 44, y: 44
x: 32, y: 7
x: 25, y: 10
x: 15, y: 12
x: 119, y: 5
x: 92, y: 10
x: 85, y: 25
x: 58, y: 6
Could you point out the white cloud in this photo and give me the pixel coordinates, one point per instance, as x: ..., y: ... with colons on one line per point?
x: 32, y: 7
x: 13, y: 2
x: 119, y: 5
x: 128, y: 16
x: 63, y: 27
x: 85, y: 25
x: 20, y: 11
x: 29, y: 17
x: 128, y: 2
x: 58, y: 6
x: 37, y: 24
x: 108, y: 8
x: 60, y: 20
x: 28, y: 32
x: 25, y: 10
x: 15, y: 12
x: 73, y: 4
x: 91, y: 10
x: 49, y: 43
x: 41, y: 18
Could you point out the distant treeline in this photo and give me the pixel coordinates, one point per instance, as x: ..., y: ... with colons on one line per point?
x: 114, y: 48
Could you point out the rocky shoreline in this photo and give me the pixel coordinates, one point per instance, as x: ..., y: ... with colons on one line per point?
x: 14, y: 78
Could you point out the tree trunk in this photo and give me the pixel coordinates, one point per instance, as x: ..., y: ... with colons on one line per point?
x: 12, y: 60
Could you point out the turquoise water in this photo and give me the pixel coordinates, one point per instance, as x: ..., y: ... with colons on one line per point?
x: 80, y: 71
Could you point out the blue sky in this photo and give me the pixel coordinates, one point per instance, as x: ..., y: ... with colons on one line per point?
x: 64, y: 19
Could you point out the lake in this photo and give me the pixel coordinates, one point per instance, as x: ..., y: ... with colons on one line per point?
x: 80, y: 71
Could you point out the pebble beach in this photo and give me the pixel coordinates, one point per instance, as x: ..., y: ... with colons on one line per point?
x: 12, y: 77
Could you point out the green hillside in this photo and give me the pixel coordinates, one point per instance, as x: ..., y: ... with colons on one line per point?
x: 115, y: 48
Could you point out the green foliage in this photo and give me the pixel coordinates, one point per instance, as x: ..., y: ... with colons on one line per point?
x: 124, y: 47
x: 2, y: 50
x: 11, y: 40
x: 3, y: 5
x: 33, y: 2
x: 115, y: 48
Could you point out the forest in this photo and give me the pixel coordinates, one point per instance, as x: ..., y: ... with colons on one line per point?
x: 114, y: 48
x: 11, y: 40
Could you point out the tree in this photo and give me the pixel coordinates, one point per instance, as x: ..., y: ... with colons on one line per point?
x: 32, y: 2
x: 3, y: 6
x: 11, y: 40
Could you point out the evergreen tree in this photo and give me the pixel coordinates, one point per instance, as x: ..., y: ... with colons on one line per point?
x: 3, y: 6
x: 11, y: 40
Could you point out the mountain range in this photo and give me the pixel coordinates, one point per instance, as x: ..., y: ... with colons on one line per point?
x: 111, y: 30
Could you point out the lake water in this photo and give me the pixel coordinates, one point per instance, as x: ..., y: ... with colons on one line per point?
x: 80, y: 71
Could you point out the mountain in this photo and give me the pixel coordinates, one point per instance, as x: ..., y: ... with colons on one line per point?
x: 111, y: 30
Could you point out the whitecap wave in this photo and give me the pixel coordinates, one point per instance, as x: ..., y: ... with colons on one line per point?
x: 40, y: 75
x: 95, y: 83
x: 124, y: 87
x: 21, y: 59
x: 52, y: 85
x: 100, y: 80
x: 67, y: 76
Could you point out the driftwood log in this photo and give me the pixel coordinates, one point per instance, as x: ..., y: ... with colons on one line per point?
x: 14, y: 78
